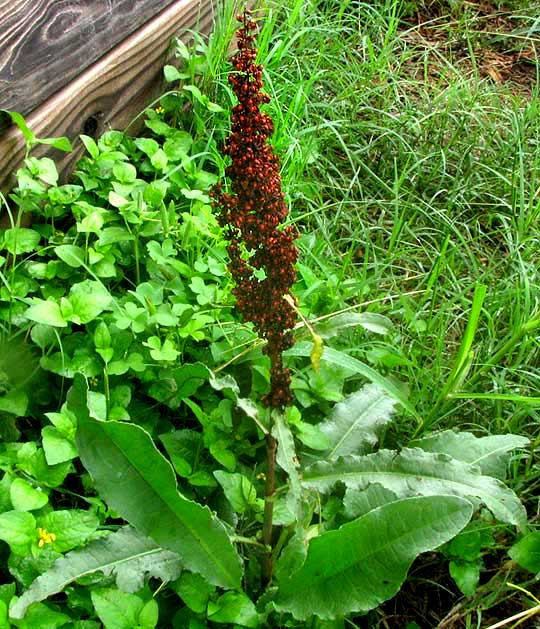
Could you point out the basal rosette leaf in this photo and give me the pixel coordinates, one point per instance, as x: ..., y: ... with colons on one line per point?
x: 413, y: 472
x: 136, y: 480
x: 362, y: 564
x: 491, y: 453
x: 126, y: 553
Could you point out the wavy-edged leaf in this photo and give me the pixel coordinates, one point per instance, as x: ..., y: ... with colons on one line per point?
x: 490, y: 453
x: 126, y: 554
x: 136, y: 480
x: 355, y: 423
x: 335, y: 357
x: 415, y: 472
x: 364, y: 563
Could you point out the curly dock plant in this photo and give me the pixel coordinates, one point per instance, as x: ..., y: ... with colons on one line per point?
x: 262, y: 251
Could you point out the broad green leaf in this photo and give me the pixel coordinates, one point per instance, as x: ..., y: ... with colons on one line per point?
x: 335, y: 357
x: 147, y: 145
x: 292, y: 557
x: 19, y: 240
x: 238, y: 490
x: 125, y: 554
x: 124, y: 172
x: 372, y: 321
x: 18, y: 529
x: 88, y: 299
x: 129, y: 471
x: 149, y: 615
x: 466, y: 574
x: 40, y: 616
x: 4, y: 620
x: 97, y: 404
x: 14, y: 402
x: 159, y: 351
x: 311, y: 435
x: 490, y: 453
x: 526, y: 552
x: 159, y: 160
x: 92, y: 223
x: 24, y: 497
x: 415, y: 472
x: 19, y: 120
x: 70, y: 254
x: 43, y: 168
x: 177, y: 146
x: 362, y: 564
x: 62, y: 143
x: 194, y: 591
x: 56, y: 447
x: 31, y: 460
x: 47, y: 312
x: 183, y: 447
x: 71, y: 527
x: 90, y: 145
x: 171, y: 73
x: 102, y: 336
x: 234, y: 608
x: 355, y: 423
x: 116, y: 609
x: 117, y: 200
x: 155, y: 192
x: 68, y: 193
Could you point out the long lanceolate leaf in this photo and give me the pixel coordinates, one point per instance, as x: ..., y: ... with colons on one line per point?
x: 139, y: 483
x: 491, y: 453
x: 126, y: 554
x: 364, y: 563
x: 355, y: 423
x: 415, y: 472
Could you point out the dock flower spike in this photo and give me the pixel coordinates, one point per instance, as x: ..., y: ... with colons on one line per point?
x: 261, y: 250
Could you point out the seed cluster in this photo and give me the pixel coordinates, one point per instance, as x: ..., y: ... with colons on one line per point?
x: 262, y: 252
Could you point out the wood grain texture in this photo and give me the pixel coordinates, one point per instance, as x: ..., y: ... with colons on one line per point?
x: 44, y: 44
x: 110, y: 93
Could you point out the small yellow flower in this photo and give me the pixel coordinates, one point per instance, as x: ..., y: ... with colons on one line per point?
x: 261, y: 476
x: 45, y: 537
x: 159, y: 110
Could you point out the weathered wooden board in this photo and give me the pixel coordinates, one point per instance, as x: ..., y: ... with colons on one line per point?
x: 111, y: 91
x: 46, y: 43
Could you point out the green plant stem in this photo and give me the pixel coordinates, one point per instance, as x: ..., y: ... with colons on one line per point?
x: 269, y: 491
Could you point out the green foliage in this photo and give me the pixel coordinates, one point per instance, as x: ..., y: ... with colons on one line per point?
x: 365, y: 562
x: 126, y: 554
x: 129, y: 471
x: 133, y: 444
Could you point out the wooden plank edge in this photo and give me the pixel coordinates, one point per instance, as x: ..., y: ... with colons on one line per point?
x: 110, y: 93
